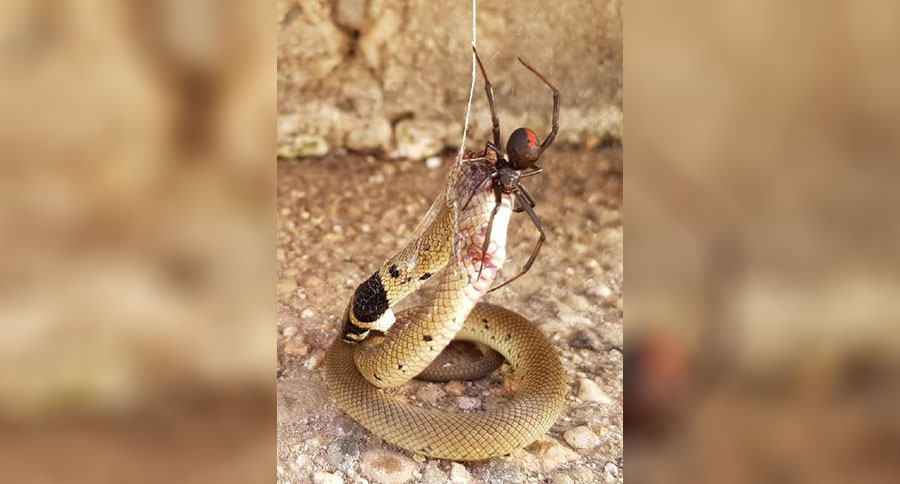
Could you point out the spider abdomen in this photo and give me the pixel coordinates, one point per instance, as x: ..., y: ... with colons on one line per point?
x: 523, y: 148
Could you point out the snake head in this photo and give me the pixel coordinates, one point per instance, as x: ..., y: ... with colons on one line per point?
x: 368, y: 309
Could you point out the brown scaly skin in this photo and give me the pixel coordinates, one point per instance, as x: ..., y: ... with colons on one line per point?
x: 356, y: 372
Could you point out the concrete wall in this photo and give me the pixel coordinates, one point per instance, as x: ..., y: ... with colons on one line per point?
x: 393, y: 78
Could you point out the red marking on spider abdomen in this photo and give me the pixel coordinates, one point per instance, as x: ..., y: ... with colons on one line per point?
x: 532, y: 138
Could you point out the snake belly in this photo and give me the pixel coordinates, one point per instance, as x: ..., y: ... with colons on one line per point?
x: 357, y: 373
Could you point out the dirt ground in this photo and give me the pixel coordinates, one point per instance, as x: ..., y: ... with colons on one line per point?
x: 340, y: 217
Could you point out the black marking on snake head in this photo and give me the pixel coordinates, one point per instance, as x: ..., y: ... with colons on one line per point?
x: 376, y: 376
x: 425, y: 276
x: 399, y: 367
x: 394, y: 272
x: 370, y: 300
x: 427, y: 337
x: 508, y: 335
x: 408, y: 278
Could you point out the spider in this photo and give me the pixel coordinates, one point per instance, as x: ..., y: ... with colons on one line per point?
x: 519, y: 161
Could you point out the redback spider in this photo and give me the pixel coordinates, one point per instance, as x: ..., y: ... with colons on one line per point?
x: 519, y: 161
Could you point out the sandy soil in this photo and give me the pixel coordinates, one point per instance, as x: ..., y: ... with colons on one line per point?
x: 340, y: 217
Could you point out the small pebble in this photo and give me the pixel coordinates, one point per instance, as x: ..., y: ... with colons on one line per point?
x: 433, y: 474
x: 583, y: 474
x: 588, y: 391
x: 496, y: 391
x: 526, y: 462
x: 510, y: 385
x: 459, y: 474
x: 551, y: 453
x: 295, y: 347
x: 343, y: 452
x: 601, y: 290
x: 314, y: 360
x: 386, y: 467
x: 455, y: 388
x: 581, y: 437
x: 307, y: 313
x: 430, y: 394
x: 285, y: 286
x: 611, y: 469
x: 585, y: 340
x: 327, y: 478
x: 433, y: 162
x: 468, y: 403
x: 302, y: 461
x: 562, y: 479
x: 289, y: 331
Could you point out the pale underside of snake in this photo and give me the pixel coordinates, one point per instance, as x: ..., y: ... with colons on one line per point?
x: 360, y: 366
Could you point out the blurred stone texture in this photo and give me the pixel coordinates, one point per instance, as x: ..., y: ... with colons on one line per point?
x: 393, y: 78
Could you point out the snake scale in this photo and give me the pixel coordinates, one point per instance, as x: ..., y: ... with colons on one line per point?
x: 359, y: 365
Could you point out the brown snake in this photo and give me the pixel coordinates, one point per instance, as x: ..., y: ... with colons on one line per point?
x: 451, y: 238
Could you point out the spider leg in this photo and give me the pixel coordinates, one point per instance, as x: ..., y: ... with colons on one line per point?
x: 555, y: 128
x: 525, y: 192
x: 480, y: 158
x: 526, y: 195
x: 536, y: 171
x: 519, y: 208
x: 494, y: 148
x: 489, y: 89
x: 487, y: 235
x: 537, y: 248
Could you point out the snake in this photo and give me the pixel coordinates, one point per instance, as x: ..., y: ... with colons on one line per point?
x: 378, y: 350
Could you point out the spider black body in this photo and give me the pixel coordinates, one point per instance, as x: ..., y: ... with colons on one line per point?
x: 523, y: 151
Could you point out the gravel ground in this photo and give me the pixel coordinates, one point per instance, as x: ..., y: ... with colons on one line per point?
x: 340, y: 217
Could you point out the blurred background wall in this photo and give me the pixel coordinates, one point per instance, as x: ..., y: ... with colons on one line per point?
x: 392, y: 78
x: 136, y: 213
x: 762, y: 255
